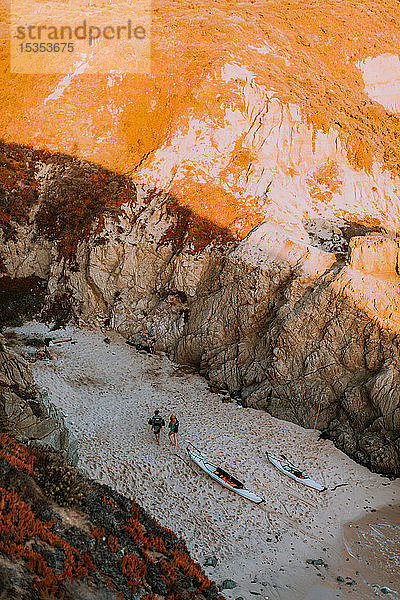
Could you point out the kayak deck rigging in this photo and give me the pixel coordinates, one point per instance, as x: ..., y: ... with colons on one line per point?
x: 288, y: 468
x: 221, y: 476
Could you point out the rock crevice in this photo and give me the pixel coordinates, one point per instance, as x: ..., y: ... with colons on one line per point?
x: 292, y: 328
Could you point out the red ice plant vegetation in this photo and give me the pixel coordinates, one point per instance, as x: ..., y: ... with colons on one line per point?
x: 192, y: 230
x: 18, y: 525
x: 80, y: 211
x: 23, y: 534
x: 18, y: 185
x: 98, y: 534
x: 174, y: 561
x: 15, y: 455
x: 168, y: 571
x: 149, y: 596
x: 134, y: 569
x: 113, y: 543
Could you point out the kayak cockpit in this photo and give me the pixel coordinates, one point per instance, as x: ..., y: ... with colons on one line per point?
x: 296, y: 472
x: 222, y: 476
x: 235, y: 483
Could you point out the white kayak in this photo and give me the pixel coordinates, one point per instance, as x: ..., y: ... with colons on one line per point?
x: 289, y: 469
x: 222, y: 476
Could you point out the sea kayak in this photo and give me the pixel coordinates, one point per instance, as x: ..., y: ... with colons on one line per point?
x: 220, y: 475
x: 290, y: 470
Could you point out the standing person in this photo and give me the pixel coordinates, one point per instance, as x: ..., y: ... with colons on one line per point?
x: 157, y: 423
x: 173, y: 429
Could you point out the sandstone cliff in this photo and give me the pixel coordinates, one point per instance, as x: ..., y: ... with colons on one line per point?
x: 246, y: 210
x: 290, y: 327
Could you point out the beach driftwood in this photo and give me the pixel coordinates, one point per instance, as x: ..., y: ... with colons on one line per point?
x: 51, y: 342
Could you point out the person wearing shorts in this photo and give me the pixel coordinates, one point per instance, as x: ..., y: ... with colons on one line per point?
x: 173, y: 429
x: 157, y: 423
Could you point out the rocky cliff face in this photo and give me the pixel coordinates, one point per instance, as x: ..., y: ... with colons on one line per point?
x: 253, y: 232
x: 25, y: 410
x: 292, y: 328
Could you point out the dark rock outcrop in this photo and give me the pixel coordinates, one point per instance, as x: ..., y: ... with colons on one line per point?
x: 25, y: 410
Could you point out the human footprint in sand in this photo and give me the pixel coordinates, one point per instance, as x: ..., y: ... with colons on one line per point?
x: 173, y: 429
x: 157, y: 423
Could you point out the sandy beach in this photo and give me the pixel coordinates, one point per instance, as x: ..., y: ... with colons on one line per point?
x: 108, y: 391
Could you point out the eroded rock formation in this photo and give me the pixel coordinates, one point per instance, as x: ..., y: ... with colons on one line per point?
x: 254, y: 231
x: 292, y: 328
x: 25, y: 410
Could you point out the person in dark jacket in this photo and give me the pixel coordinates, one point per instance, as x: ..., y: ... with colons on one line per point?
x: 157, y: 423
x: 173, y: 429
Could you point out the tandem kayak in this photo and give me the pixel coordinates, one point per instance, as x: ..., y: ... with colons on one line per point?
x: 290, y: 470
x: 220, y: 475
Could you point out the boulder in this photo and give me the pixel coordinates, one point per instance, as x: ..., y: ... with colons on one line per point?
x: 227, y: 584
x: 25, y: 410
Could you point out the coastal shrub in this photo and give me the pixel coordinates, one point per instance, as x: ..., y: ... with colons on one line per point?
x: 123, y: 549
x: 16, y: 455
x: 60, y: 481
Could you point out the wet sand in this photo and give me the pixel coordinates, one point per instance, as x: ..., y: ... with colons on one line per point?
x: 370, y: 564
x: 373, y: 546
